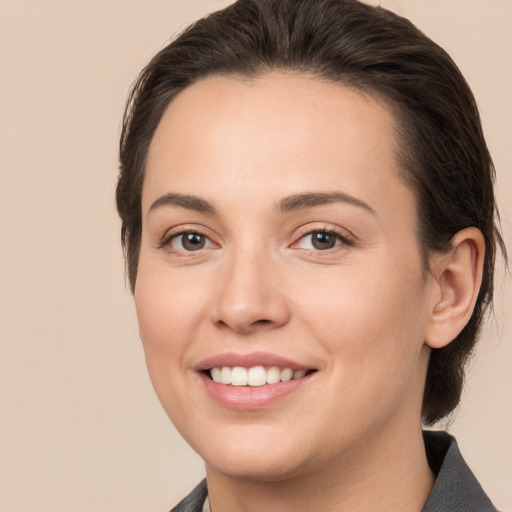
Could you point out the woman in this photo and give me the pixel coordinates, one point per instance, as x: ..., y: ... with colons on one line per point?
x: 310, y: 231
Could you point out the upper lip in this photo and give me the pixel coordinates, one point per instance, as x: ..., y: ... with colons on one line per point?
x: 232, y: 359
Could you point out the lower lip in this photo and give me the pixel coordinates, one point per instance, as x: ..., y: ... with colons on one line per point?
x: 246, y: 398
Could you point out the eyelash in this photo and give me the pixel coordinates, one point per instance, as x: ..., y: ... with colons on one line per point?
x: 345, y: 240
x: 167, y: 239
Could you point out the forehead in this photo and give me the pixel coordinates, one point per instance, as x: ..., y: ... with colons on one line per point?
x: 287, y: 105
x: 278, y: 132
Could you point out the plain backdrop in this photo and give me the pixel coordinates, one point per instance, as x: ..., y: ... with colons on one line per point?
x: 80, y: 426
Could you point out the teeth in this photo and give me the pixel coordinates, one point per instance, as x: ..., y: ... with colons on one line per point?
x: 225, y: 375
x: 286, y: 375
x: 254, y: 376
x: 216, y: 374
x: 239, y: 376
x: 299, y: 374
x: 273, y: 375
x: 257, y: 376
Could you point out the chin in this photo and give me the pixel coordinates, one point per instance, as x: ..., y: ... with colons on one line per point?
x: 257, y: 460
x: 254, y: 469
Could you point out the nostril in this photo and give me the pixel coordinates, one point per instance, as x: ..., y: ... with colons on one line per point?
x: 245, y: 327
x: 249, y: 311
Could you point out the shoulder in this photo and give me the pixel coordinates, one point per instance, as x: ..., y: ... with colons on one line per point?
x: 456, y: 487
x: 194, y: 501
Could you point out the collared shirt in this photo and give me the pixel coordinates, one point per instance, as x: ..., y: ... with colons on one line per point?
x: 455, y: 489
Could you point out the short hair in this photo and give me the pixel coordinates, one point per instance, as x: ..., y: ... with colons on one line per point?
x: 441, y: 151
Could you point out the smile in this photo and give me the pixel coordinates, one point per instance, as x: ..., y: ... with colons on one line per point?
x: 254, y: 381
x: 254, y: 376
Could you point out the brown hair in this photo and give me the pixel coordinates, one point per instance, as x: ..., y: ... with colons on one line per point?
x: 442, y: 150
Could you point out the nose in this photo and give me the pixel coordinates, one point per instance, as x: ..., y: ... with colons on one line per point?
x: 250, y: 295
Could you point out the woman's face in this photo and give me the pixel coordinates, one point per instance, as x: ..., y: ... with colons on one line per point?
x: 278, y: 238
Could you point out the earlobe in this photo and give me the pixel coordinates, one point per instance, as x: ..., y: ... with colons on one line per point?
x: 458, y: 275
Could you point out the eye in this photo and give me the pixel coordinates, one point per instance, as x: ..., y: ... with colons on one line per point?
x: 189, y: 241
x: 321, y: 240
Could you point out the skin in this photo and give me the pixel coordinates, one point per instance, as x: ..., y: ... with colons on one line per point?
x: 362, y: 313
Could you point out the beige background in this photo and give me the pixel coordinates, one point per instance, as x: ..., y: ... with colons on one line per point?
x: 80, y: 427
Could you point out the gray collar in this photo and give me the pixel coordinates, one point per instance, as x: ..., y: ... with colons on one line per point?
x: 455, y: 488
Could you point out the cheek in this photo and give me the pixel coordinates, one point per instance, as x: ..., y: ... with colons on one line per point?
x: 169, y: 310
x: 373, y: 332
x: 373, y: 320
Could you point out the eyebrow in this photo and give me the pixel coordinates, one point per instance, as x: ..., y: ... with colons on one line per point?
x: 292, y: 203
x: 183, y: 201
x: 311, y: 199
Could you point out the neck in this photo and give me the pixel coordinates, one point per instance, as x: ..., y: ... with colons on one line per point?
x: 388, y: 473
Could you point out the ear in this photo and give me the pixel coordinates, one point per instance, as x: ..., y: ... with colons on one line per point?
x: 458, y: 276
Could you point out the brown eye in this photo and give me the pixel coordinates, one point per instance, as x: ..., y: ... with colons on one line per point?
x: 189, y: 241
x: 321, y: 240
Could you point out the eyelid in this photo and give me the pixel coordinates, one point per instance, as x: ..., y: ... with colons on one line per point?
x: 165, y: 240
x: 346, y: 238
